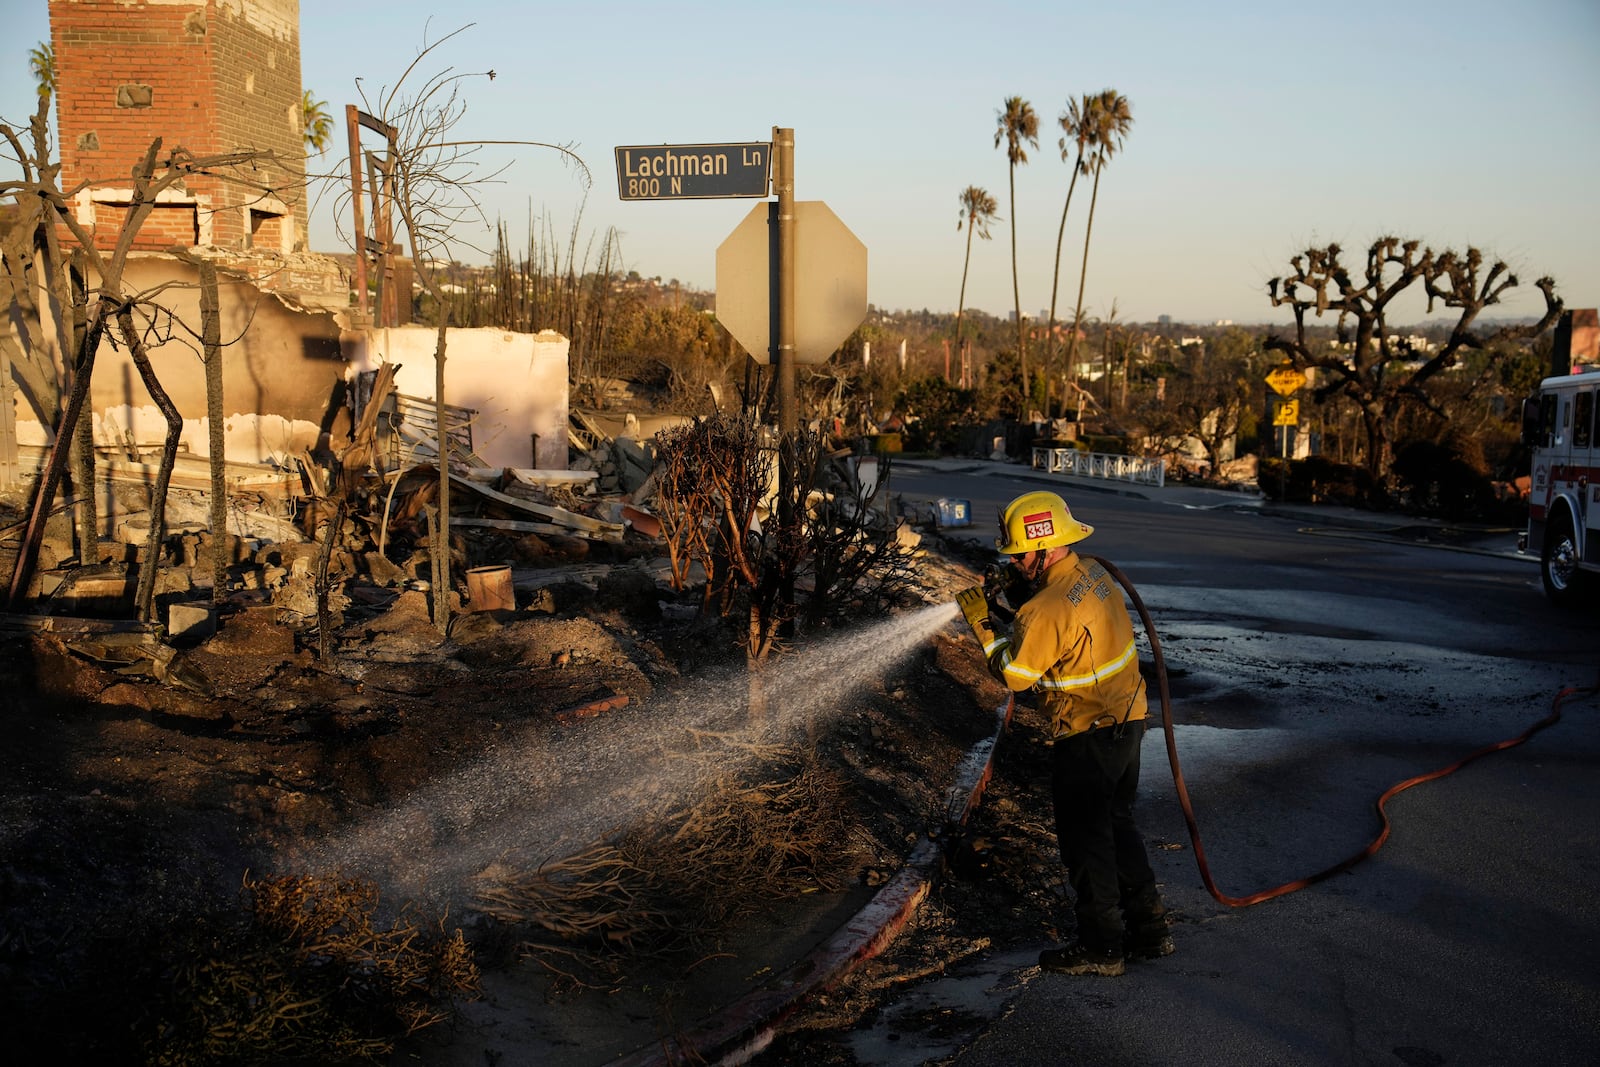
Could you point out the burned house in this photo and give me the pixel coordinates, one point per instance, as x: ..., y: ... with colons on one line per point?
x: 220, y: 80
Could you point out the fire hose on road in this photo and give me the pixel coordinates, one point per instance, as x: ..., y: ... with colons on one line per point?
x: 1159, y: 662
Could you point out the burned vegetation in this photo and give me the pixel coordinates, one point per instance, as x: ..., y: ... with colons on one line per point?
x: 310, y: 819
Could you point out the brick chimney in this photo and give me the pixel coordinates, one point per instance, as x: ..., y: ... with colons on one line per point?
x: 210, y: 76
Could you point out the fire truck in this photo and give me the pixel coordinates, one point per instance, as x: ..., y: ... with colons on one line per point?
x: 1558, y: 425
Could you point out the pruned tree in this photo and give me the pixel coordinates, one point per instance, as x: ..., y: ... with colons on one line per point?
x: 434, y: 181
x: 1377, y: 370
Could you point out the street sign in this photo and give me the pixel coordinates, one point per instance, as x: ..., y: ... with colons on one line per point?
x: 830, y: 288
x: 1285, y: 380
x: 1288, y: 413
x: 692, y: 171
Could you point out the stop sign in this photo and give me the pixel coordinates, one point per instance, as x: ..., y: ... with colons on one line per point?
x: 830, y: 289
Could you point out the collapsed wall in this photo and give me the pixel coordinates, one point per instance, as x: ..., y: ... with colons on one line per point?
x: 282, y: 372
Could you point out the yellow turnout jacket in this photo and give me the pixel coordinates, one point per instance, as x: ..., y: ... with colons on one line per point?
x: 1073, y: 643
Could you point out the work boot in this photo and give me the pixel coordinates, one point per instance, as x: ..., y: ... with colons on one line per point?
x: 1151, y: 944
x: 1079, y: 959
x: 1146, y: 937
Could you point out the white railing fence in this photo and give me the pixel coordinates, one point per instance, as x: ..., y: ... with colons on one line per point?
x: 1100, y: 465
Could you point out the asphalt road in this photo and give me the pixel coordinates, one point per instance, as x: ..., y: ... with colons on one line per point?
x: 1315, y: 663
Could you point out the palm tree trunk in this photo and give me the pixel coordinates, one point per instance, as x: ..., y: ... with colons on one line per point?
x: 961, y: 301
x: 1055, y: 284
x: 1016, y: 295
x: 1083, y: 271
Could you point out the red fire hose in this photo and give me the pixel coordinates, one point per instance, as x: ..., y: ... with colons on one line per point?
x: 1372, y: 847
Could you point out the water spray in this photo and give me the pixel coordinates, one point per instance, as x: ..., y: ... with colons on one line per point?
x: 546, y: 794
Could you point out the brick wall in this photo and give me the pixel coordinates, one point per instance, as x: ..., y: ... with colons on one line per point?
x: 211, y: 76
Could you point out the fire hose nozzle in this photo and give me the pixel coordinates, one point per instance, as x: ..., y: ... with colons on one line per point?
x: 999, y: 580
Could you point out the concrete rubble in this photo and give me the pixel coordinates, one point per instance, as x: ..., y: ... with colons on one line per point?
x: 594, y: 522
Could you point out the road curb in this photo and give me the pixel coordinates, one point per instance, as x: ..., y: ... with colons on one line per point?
x: 739, y: 1031
x: 1389, y: 538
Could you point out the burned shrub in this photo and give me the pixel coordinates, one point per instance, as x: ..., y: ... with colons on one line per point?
x: 1315, y: 480
x: 1446, y: 480
x: 673, y: 882
x: 719, y: 510
x: 308, y: 973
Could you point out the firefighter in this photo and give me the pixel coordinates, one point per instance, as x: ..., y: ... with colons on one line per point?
x: 1072, y: 643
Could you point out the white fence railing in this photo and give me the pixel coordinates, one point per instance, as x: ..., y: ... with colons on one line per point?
x: 1100, y: 465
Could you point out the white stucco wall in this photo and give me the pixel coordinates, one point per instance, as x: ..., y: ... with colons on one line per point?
x: 517, y: 382
x: 281, y: 368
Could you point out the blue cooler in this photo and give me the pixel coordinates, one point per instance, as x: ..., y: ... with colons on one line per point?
x: 953, y: 512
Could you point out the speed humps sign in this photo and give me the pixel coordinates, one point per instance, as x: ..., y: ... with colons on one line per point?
x: 1285, y: 380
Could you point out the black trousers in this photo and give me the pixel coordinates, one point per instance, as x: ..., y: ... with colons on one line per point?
x: 1094, y: 777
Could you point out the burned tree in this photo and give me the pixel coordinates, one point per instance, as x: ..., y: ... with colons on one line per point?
x: 1207, y: 398
x: 74, y: 294
x: 713, y: 475
x: 430, y: 180
x: 1379, y: 372
x: 715, y: 478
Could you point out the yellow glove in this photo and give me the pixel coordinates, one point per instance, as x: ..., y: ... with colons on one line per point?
x: 976, y: 609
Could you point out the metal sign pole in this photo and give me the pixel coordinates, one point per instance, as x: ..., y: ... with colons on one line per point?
x: 783, y: 333
x: 784, y: 329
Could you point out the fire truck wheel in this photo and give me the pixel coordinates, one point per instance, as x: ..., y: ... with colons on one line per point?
x: 1559, y: 562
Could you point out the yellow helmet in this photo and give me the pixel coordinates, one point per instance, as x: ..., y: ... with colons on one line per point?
x: 1038, y: 520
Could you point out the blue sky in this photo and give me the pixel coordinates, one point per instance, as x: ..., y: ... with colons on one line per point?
x: 1259, y: 129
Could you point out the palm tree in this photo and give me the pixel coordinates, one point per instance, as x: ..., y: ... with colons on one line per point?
x: 317, y: 123
x: 978, y: 210
x: 1075, y: 130
x: 1017, y: 125
x: 1108, y: 116
x: 42, y: 65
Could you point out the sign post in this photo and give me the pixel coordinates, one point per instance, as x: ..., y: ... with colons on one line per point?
x: 1285, y: 380
x: 783, y: 329
x: 791, y: 278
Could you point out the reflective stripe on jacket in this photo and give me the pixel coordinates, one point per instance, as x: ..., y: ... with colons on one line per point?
x: 1073, y: 642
